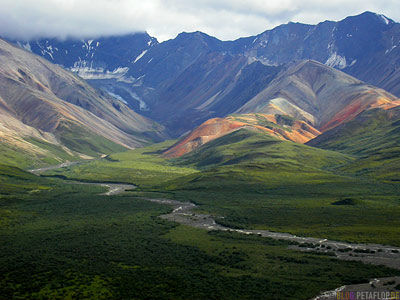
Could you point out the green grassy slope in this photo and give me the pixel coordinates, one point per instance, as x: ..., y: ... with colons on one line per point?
x: 142, y: 167
x: 254, y: 181
x: 374, y: 138
x: 19, y: 157
x: 17, y: 184
x: 16, y: 181
x: 39, y: 153
x: 245, y: 147
x: 83, y: 141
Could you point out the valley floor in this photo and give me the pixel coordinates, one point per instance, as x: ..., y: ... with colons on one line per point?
x: 93, y: 241
x: 76, y: 243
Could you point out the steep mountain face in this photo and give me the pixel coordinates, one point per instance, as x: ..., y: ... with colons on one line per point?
x: 167, y: 60
x: 363, y: 46
x: 161, y: 70
x: 43, y: 101
x: 382, y: 68
x: 214, y: 86
x: 187, y: 80
x: 104, y: 57
x: 184, y: 81
x: 337, y: 44
x: 104, y: 61
x: 305, y: 99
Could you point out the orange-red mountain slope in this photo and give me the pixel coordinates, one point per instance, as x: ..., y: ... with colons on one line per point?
x: 305, y: 99
x: 281, y: 127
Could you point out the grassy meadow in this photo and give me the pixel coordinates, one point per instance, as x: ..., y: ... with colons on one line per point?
x: 143, y: 167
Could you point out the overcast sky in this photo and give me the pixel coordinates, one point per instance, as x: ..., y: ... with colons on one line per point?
x: 164, y: 19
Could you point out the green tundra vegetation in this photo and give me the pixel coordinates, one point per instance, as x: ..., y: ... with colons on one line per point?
x: 373, y: 137
x: 62, y: 240
x: 144, y: 167
x: 65, y: 241
x: 252, y: 180
x: 18, y: 157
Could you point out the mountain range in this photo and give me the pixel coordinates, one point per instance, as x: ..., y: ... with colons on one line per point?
x: 187, y: 80
x: 303, y: 101
x: 294, y: 82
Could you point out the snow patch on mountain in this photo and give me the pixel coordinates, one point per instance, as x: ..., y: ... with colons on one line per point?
x: 353, y: 63
x: 142, y: 104
x: 384, y: 19
x: 265, y: 61
x: 25, y: 46
x: 86, y: 70
x: 391, y: 49
x: 45, y: 48
x: 139, y: 81
x: 140, y: 56
x: 118, y: 97
x: 336, y: 61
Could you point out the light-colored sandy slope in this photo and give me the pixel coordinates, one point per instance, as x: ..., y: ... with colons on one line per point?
x: 317, y: 94
x: 37, y: 96
x: 297, y: 131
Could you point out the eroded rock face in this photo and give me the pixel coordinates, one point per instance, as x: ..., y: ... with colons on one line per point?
x: 41, y: 100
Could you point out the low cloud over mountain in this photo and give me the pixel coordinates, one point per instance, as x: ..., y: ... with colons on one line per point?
x: 24, y: 19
